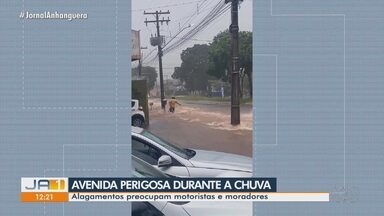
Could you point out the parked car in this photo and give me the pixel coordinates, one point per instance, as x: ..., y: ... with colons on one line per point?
x: 184, y: 162
x: 141, y: 169
x: 138, y: 116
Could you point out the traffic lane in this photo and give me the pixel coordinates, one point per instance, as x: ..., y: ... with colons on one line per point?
x: 214, y: 106
x: 212, y: 114
x: 199, y: 136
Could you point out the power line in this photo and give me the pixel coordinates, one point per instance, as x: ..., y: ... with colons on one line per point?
x: 217, y: 11
x: 200, y: 11
x: 147, y: 55
x: 192, y: 39
x: 170, y: 5
x: 190, y: 18
x: 151, y: 60
x: 199, y: 26
x: 203, y: 5
x: 214, y: 8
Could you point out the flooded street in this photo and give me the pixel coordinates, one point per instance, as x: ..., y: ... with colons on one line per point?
x: 204, y: 125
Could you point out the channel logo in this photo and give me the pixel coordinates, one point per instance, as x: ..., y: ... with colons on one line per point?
x: 44, y: 184
x: 44, y: 189
x: 54, y: 184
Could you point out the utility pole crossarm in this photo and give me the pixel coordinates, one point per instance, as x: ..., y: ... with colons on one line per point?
x: 157, y: 12
x: 155, y: 21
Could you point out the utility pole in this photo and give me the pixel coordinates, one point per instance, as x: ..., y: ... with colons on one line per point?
x: 235, y: 90
x: 158, y: 41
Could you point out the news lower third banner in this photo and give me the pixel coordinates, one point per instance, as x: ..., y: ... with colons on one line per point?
x: 160, y: 189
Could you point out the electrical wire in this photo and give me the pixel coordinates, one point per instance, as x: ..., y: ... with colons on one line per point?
x: 217, y: 10
x: 212, y: 15
x: 165, y: 6
x: 193, y: 39
x: 153, y: 58
x: 213, y: 11
x: 189, y: 19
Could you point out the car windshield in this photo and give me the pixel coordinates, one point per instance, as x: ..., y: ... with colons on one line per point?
x: 182, y: 152
x: 143, y: 170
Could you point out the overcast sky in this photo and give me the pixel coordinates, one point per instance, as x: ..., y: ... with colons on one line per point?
x: 182, y: 11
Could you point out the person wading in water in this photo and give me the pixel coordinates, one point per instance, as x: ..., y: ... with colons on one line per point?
x: 172, y: 104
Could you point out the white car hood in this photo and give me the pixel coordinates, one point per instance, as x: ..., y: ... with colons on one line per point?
x: 220, y: 160
x: 219, y: 208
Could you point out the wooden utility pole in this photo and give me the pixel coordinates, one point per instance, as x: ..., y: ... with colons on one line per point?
x: 158, y: 41
x: 235, y: 90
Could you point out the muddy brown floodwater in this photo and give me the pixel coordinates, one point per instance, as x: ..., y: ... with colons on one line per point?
x: 204, y: 125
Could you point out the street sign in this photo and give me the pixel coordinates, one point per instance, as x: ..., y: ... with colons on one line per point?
x: 136, y: 52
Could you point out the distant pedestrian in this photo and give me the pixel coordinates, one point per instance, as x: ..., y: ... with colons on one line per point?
x: 151, y: 105
x: 222, y: 92
x: 172, y: 104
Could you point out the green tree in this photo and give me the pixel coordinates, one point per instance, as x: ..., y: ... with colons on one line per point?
x: 194, y: 67
x: 148, y: 73
x: 220, y: 56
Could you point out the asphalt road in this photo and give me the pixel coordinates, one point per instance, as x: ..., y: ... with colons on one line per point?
x: 204, y: 125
